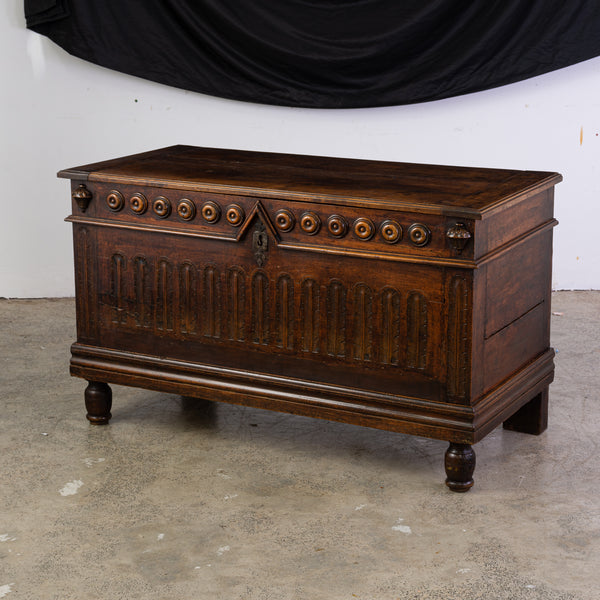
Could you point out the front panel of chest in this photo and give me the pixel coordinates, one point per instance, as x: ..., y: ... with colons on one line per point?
x: 269, y: 286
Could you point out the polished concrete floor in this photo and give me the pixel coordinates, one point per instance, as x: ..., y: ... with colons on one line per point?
x: 181, y: 499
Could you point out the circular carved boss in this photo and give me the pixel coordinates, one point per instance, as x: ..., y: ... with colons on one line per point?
x: 310, y: 223
x: 211, y: 212
x: 161, y: 207
x: 337, y: 226
x: 391, y: 231
x: 234, y: 214
x: 115, y: 201
x: 363, y: 229
x: 285, y: 220
x: 186, y: 209
x: 419, y: 234
x: 138, y: 204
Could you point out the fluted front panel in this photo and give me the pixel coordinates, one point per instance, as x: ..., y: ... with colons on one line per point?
x: 331, y: 318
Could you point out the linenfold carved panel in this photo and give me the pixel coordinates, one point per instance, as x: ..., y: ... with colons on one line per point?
x: 333, y: 318
x: 390, y: 326
x: 236, y: 304
x: 458, y: 339
x: 84, y: 282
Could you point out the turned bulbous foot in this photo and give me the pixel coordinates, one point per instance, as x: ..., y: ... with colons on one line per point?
x: 460, y: 464
x: 98, y: 402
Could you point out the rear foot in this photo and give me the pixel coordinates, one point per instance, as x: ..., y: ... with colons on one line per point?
x: 532, y: 417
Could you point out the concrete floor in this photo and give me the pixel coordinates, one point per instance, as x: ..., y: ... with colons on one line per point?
x: 179, y: 499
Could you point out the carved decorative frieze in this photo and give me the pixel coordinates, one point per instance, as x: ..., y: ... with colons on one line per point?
x: 284, y: 220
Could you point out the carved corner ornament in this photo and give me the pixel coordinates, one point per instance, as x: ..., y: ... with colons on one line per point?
x: 458, y: 237
x: 82, y: 196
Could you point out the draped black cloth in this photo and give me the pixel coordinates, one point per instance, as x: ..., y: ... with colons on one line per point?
x: 325, y: 53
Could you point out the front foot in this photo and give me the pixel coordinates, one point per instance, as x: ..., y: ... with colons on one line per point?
x: 460, y: 464
x: 98, y: 401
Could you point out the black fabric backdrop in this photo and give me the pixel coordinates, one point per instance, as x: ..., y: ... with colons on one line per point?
x: 325, y: 53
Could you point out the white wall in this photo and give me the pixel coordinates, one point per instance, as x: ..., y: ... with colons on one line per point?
x: 57, y: 111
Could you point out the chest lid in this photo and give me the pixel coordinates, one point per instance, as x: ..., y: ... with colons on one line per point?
x: 452, y: 191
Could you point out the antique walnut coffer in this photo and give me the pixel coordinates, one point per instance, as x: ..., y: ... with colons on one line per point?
x: 403, y: 297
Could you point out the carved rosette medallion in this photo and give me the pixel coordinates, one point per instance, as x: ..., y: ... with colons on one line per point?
x: 161, y: 207
x: 285, y: 220
x: 337, y: 226
x: 419, y: 234
x: 391, y: 231
x: 186, y: 209
x: 138, y: 204
x: 363, y: 229
x: 115, y: 201
x: 82, y: 197
x: 234, y: 215
x: 211, y: 212
x: 310, y: 223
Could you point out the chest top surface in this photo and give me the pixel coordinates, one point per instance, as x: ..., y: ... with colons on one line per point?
x: 446, y: 190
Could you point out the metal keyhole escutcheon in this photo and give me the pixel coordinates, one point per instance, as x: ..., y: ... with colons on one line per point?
x: 260, y: 243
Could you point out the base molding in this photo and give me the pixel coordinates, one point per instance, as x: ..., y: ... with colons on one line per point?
x: 461, y: 424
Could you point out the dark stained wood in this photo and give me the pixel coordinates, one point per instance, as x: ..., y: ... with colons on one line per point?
x: 428, y: 188
x: 459, y: 462
x: 410, y: 298
x: 531, y: 418
x: 98, y: 401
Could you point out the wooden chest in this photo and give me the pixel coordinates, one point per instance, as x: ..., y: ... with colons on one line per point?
x: 403, y: 297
